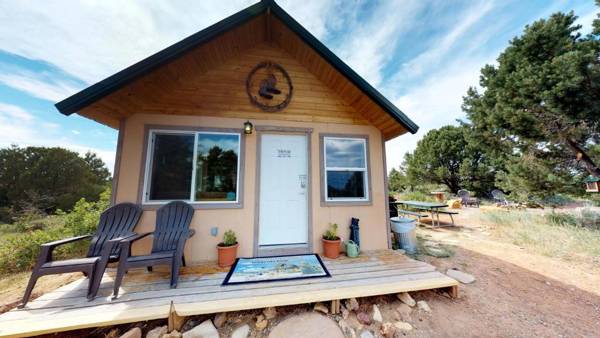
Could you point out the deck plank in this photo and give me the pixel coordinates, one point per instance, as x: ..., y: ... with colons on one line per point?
x: 147, y: 296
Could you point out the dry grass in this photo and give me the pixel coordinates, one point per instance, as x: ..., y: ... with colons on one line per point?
x: 570, y: 236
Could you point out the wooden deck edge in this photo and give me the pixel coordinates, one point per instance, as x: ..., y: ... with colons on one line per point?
x: 36, y: 326
x: 228, y: 305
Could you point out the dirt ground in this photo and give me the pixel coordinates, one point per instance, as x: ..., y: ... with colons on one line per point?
x: 516, y: 293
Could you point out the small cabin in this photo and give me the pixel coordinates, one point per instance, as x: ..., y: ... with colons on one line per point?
x: 592, y: 184
x: 257, y: 125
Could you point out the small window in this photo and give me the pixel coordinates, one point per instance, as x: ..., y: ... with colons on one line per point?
x: 201, y: 167
x: 346, y: 176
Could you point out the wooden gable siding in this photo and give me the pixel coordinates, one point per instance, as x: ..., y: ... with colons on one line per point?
x: 210, y: 80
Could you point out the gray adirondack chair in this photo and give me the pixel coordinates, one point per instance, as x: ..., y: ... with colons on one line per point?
x: 466, y: 199
x: 116, y: 223
x: 170, y: 234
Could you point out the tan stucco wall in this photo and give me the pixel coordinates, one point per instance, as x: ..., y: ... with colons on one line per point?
x: 202, y: 245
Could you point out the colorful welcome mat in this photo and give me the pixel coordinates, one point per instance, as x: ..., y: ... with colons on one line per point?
x: 275, y: 268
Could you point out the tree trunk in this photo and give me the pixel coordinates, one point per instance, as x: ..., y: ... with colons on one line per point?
x: 584, y: 158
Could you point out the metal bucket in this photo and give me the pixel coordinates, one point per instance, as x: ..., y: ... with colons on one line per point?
x: 404, y: 230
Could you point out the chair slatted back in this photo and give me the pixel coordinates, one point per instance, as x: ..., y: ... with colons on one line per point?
x: 116, y: 221
x: 172, y: 221
x: 463, y: 194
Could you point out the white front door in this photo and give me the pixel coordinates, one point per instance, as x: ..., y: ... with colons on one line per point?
x: 283, y: 201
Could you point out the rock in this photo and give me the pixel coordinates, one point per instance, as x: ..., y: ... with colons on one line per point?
x: 352, y: 304
x: 366, y: 334
x: 157, y: 332
x: 347, y: 330
x: 345, y: 313
x: 136, y: 332
x: 363, y: 318
x: 241, y: 332
x: 321, y: 308
x: 305, y: 325
x: 460, y: 276
x: 261, y: 322
x: 403, y: 326
x: 388, y: 329
x: 270, y: 312
x: 403, y: 312
x: 422, y: 305
x: 406, y: 299
x: 172, y: 334
x: 204, y: 330
x: 220, y: 319
x: 377, y: 314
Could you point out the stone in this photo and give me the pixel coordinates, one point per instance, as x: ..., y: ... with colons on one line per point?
x: 307, y: 325
x: 321, y: 308
x: 352, y: 304
x: 388, y: 330
x: 345, y: 313
x: 377, y: 314
x: 363, y: 318
x: 405, y: 298
x: 403, y: 312
x: 270, y: 312
x: 460, y: 276
x: 241, y: 332
x: 347, y: 330
x: 422, y: 305
x: 261, y: 322
x: 157, y: 332
x: 204, y: 330
x: 172, y: 334
x: 366, y: 334
x: 220, y: 319
x: 403, y: 326
x: 136, y: 332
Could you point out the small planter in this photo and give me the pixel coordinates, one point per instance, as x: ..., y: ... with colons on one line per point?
x: 227, y: 255
x: 331, y: 248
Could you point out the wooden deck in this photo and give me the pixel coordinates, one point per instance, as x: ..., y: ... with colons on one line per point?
x: 147, y: 296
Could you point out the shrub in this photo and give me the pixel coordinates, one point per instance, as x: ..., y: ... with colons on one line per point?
x: 416, y: 196
x: 20, y: 250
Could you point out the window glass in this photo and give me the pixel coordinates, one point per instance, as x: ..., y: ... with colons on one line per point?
x: 345, y: 169
x: 345, y: 153
x: 217, y: 167
x: 172, y: 165
x: 346, y: 184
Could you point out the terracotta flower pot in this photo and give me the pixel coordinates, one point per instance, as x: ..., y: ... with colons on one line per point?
x: 227, y: 255
x: 331, y: 249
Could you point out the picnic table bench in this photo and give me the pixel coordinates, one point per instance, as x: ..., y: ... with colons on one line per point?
x: 434, y: 208
x: 412, y: 213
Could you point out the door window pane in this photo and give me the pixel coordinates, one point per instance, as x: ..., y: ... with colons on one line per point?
x: 217, y: 167
x: 171, y: 173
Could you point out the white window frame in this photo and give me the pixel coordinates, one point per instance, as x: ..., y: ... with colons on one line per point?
x: 150, y: 155
x: 365, y: 170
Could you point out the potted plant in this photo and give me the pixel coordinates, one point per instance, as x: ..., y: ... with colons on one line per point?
x: 331, y: 242
x: 227, y: 249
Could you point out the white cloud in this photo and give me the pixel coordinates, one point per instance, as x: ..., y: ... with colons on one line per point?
x: 19, y: 127
x: 91, y: 40
x: 39, y: 86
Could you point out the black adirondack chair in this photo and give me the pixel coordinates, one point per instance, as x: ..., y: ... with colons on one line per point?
x: 170, y: 234
x: 116, y: 223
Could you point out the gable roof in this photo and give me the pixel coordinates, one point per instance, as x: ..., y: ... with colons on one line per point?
x: 92, y: 94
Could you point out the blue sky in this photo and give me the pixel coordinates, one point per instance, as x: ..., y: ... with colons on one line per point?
x: 423, y: 55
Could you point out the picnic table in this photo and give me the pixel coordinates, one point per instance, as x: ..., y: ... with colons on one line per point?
x: 431, y: 207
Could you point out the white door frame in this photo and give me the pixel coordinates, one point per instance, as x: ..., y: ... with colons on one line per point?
x: 284, y: 249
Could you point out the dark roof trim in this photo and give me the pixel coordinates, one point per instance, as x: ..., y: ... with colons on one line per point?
x: 105, y: 87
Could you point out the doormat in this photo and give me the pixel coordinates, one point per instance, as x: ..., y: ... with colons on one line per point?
x: 275, y: 268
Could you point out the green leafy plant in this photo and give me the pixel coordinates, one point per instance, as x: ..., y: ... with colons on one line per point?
x: 331, y: 233
x: 229, y: 238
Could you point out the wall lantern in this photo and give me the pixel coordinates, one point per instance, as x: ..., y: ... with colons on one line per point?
x: 248, y: 128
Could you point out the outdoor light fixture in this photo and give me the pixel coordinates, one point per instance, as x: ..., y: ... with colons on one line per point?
x: 248, y: 128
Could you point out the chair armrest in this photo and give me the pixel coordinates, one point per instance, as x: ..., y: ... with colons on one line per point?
x: 192, y: 232
x: 134, y: 237
x: 65, y: 241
